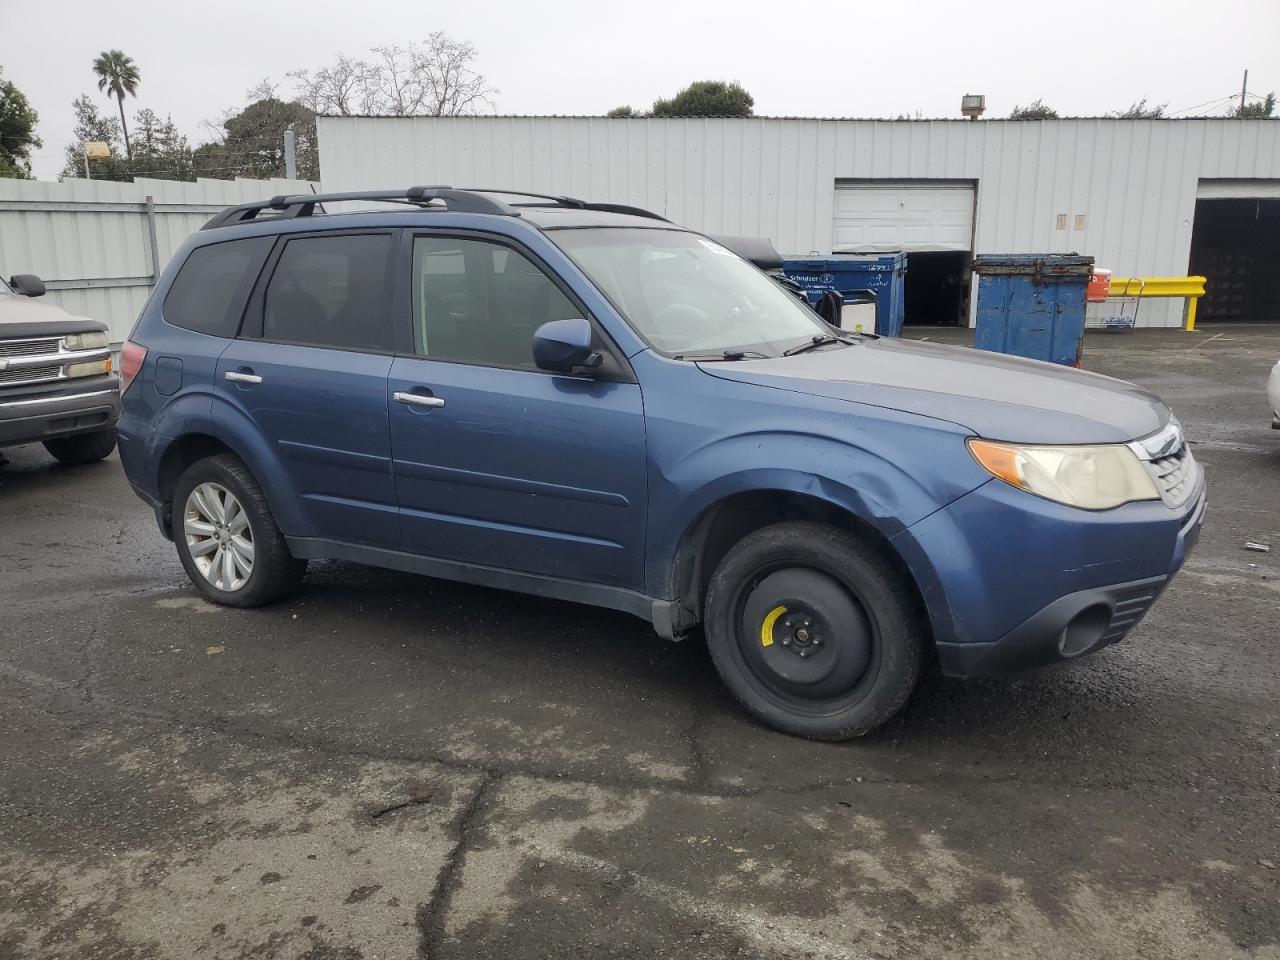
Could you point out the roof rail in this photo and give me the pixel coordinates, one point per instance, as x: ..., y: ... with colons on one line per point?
x: 573, y: 202
x: 304, y: 204
x: 627, y: 209
x: 468, y: 200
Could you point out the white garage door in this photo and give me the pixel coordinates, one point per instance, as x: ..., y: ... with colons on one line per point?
x: 911, y: 215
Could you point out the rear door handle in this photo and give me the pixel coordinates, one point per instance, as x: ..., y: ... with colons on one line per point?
x: 419, y: 400
x: 242, y: 377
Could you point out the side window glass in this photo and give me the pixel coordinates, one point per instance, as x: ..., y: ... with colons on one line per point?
x: 332, y: 292
x: 480, y: 302
x: 212, y: 287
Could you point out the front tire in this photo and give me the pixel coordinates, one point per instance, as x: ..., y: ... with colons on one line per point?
x: 814, y: 631
x: 227, y: 540
x: 82, y: 448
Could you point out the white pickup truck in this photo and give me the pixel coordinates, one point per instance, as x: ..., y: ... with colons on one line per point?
x: 57, y: 386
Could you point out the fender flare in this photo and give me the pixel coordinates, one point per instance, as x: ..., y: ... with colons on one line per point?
x: 867, y: 486
x: 232, y: 428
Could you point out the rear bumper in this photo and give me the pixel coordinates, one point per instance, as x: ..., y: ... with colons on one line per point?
x: 132, y: 458
x: 65, y: 410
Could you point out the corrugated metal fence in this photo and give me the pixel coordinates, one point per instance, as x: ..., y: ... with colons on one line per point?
x: 99, y: 246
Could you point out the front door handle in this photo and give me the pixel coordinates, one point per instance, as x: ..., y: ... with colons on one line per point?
x: 242, y: 377
x: 419, y: 400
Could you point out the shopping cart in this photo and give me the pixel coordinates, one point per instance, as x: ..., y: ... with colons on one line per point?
x: 1117, y: 314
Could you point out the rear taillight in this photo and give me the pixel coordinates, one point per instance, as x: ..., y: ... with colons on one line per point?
x: 131, y: 357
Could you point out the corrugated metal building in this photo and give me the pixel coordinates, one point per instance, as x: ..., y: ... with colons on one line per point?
x: 1144, y: 197
x: 99, y: 245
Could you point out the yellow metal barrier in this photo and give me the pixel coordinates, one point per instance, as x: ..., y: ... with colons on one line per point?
x: 1190, y: 288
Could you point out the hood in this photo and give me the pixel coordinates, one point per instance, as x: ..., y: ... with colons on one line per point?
x: 25, y: 317
x: 995, y: 396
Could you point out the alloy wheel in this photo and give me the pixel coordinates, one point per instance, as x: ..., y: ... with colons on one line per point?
x: 218, y: 536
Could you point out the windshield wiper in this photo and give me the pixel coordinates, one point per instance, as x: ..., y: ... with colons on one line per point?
x: 820, y: 340
x: 725, y: 355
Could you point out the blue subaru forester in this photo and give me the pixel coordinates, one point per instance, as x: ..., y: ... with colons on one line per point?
x: 585, y: 401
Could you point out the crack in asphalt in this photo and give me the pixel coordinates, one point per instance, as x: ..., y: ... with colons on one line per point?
x: 431, y: 916
x: 84, y: 686
x: 699, y: 768
x: 223, y: 726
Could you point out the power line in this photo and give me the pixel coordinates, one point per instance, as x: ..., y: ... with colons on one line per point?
x: 1214, y: 102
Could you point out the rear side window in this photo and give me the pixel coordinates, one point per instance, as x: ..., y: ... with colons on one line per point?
x: 211, y: 289
x: 332, y: 291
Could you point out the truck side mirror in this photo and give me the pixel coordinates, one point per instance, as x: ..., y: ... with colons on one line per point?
x: 27, y: 285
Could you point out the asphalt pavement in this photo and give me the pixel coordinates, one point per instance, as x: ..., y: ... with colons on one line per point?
x: 388, y: 766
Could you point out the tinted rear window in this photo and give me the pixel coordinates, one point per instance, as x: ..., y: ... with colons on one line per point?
x: 210, y: 291
x: 332, y: 292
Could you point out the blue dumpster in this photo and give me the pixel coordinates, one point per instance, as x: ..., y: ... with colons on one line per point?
x: 848, y: 274
x: 1032, y: 305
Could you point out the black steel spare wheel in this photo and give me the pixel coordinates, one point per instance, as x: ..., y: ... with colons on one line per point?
x: 804, y: 636
x: 816, y: 631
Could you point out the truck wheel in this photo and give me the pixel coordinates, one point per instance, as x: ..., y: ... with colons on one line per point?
x: 83, y: 447
x: 813, y: 631
x: 226, y: 537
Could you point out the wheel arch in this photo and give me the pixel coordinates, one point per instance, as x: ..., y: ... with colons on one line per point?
x: 726, y: 520
x: 219, y: 436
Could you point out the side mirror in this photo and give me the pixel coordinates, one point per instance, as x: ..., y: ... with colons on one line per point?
x: 830, y: 306
x: 562, y: 345
x: 27, y: 285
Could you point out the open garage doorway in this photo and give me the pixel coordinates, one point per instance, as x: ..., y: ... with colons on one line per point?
x: 929, y: 220
x: 936, y: 291
x: 1235, y: 245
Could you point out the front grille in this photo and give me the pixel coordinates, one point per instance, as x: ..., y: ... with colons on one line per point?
x: 1175, y: 476
x: 1131, y: 604
x: 28, y: 348
x: 30, y: 374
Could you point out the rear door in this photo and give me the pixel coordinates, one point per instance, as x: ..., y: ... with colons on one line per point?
x: 310, y: 370
x: 499, y: 463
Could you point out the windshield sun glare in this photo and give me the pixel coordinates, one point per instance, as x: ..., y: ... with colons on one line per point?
x: 688, y: 296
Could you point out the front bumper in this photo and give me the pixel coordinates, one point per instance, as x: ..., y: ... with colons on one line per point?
x: 59, y: 410
x: 1072, y: 626
x: 1012, y: 582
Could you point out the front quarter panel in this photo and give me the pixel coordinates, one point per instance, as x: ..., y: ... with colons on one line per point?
x: 710, y: 438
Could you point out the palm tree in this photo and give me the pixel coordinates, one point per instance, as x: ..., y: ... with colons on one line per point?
x: 118, y: 75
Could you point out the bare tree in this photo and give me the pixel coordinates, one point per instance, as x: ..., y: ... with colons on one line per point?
x: 453, y: 87
x: 432, y: 78
x: 346, y: 86
x: 399, y: 84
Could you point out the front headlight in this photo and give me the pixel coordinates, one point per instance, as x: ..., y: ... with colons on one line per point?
x: 89, y: 368
x: 1096, y: 477
x: 85, y: 341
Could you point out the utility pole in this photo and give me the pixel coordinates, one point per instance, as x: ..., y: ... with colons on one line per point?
x: 290, y: 155
x: 1244, y: 90
x: 85, y: 150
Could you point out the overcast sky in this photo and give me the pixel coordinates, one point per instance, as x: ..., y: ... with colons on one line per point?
x: 850, y: 58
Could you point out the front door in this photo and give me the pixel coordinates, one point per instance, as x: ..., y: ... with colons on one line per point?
x: 310, y: 369
x: 498, y: 463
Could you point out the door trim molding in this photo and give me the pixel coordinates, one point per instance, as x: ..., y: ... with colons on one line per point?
x: 656, y: 612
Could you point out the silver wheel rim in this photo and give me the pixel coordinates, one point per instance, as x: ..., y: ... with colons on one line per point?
x: 219, y: 537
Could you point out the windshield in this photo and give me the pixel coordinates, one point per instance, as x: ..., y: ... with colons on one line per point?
x: 689, y: 297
